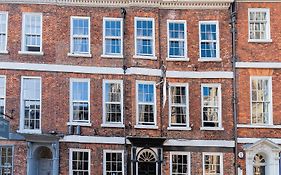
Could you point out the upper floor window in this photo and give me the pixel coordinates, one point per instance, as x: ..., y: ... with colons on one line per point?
x: 113, y: 162
x: 79, y: 161
x: 177, y: 44
x: 113, y: 102
x: 144, y: 37
x: 32, y: 32
x: 80, y: 100
x: 212, y: 163
x: 3, y: 31
x: 261, y: 107
x: 180, y: 163
x: 211, y: 106
x: 209, y: 41
x: 178, y: 105
x: 113, y: 37
x: 80, y: 36
x: 31, y: 104
x: 2, y: 95
x: 146, y: 103
x: 259, y: 24
x: 6, y: 160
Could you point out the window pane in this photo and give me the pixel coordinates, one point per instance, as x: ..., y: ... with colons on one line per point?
x: 33, y: 32
x: 80, y: 26
x: 180, y: 165
x: 212, y: 165
x: 114, y: 164
x: 112, y: 46
x: 178, y: 105
x: 80, y: 100
x: 210, y: 106
x: 113, y: 102
x: 208, y: 41
x: 31, y: 102
x: 3, y: 31
x: 80, y: 162
x: 144, y: 31
x: 258, y: 24
x: 80, y: 35
x: 260, y: 101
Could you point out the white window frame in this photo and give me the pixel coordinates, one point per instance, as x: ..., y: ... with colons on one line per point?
x: 178, y: 58
x: 5, y: 51
x: 105, y: 19
x: 217, y: 85
x: 217, y: 58
x: 104, y: 159
x: 269, y: 78
x: 110, y: 124
x: 23, y: 51
x: 71, y: 150
x: 71, y: 53
x: 184, y: 127
x: 13, y: 155
x: 180, y: 153
x: 213, y: 154
x: 71, y: 121
x: 152, y: 56
x: 138, y: 125
x: 22, y: 130
x: 5, y: 86
x: 267, y: 29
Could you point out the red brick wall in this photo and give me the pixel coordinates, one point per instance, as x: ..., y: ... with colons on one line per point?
x: 258, y: 51
x: 244, y: 102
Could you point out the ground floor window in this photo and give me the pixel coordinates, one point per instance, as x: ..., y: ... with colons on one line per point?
x: 180, y: 163
x: 79, y: 162
x: 6, y: 161
x: 212, y: 164
x: 113, y: 162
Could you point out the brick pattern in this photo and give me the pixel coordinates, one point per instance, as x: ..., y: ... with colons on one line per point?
x: 55, y: 86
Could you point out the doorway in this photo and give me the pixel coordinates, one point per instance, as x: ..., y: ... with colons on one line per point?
x: 147, y: 162
x: 45, y: 162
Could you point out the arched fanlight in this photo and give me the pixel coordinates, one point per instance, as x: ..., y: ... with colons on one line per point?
x: 147, y: 155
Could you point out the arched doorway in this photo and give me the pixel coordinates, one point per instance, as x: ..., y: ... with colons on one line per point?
x: 259, y: 164
x: 44, y: 158
x: 147, y: 162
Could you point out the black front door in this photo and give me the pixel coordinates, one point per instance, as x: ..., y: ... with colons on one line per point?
x: 147, y: 168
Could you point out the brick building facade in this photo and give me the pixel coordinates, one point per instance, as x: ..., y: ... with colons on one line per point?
x: 258, y: 81
x: 118, y: 87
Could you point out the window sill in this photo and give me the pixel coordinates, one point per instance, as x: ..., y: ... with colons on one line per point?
x: 107, y: 125
x: 269, y: 126
x: 179, y: 128
x: 79, y: 123
x: 260, y: 40
x: 209, y: 59
x: 112, y: 56
x: 178, y: 59
x: 211, y: 128
x: 4, y: 52
x: 146, y: 127
x: 29, y: 131
x: 79, y: 55
x: 145, y: 57
x: 31, y: 53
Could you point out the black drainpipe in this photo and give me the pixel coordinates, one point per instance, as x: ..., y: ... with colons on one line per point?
x: 123, y: 14
x: 162, y: 66
x: 233, y: 19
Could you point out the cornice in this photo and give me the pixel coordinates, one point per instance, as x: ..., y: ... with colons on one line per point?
x: 162, y: 4
x: 258, y: 0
